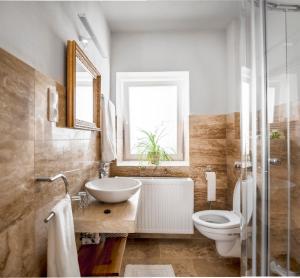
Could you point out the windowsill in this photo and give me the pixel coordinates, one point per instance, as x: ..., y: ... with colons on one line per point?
x: 145, y: 164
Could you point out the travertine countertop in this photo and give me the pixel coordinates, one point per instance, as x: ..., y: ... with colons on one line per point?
x: 121, y: 219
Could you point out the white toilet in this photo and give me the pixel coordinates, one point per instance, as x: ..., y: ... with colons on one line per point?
x: 223, y: 226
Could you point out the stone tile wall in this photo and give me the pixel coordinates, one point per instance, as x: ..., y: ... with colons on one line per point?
x: 31, y: 146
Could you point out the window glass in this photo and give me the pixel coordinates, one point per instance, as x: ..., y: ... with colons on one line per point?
x: 153, y: 109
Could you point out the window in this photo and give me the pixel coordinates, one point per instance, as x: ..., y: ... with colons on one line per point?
x: 156, y: 102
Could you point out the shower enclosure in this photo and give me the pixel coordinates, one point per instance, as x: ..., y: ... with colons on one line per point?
x: 270, y: 137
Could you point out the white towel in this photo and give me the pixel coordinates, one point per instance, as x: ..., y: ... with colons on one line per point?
x: 62, y: 258
x: 211, y: 186
x: 109, y: 131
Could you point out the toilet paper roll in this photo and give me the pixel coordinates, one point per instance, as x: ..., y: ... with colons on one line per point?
x: 211, y: 186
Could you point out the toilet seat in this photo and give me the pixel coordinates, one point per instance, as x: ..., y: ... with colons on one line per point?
x: 217, y: 219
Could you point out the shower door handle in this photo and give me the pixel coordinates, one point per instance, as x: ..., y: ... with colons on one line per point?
x: 243, y: 165
x: 275, y: 161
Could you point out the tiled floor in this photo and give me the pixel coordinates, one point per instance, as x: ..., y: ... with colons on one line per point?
x: 189, y: 257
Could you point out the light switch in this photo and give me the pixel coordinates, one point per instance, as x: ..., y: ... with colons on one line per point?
x: 52, y: 104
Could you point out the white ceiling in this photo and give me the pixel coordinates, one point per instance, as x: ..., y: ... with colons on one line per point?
x: 169, y: 15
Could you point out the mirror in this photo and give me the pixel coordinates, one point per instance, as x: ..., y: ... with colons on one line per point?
x: 83, y: 90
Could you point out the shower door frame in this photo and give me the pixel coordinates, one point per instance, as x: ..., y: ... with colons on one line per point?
x: 263, y: 266
x: 252, y: 11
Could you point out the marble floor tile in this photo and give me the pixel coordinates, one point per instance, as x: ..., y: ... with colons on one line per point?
x: 189, y: 257
x: 142, y: 249
x: 208, y: 268
x: 184, y: 248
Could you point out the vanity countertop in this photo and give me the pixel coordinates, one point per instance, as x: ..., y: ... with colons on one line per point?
x: 120, y: 219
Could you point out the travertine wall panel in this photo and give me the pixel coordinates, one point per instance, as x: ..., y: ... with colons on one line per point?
x: 31, y: 146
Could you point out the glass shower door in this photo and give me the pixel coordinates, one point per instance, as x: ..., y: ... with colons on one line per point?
x: 270, y: 121
x: 252, y: 139
x: 283, y: 129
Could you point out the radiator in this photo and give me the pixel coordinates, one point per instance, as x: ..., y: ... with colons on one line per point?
x: 166, y: 206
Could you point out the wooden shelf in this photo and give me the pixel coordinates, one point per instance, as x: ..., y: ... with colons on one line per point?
x: 104, y: 259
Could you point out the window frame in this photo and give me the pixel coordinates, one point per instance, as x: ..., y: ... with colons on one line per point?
x: 124, y: 80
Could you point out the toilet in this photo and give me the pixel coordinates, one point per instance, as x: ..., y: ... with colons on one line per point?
x: 224, y: 226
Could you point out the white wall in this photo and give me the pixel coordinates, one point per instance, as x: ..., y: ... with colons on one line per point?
x: 202, y: 53
x: 233, y: 67
x: 37, y: 32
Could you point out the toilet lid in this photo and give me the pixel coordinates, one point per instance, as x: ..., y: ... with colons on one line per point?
x: 219, y: 219
x: 236, y: 202
x: 247, y: 198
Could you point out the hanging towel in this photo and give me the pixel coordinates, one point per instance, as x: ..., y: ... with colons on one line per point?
x: 109, y: 131
x: 62, y: 259
x: 211, y: 186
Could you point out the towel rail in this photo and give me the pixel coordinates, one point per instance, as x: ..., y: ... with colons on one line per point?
x: 52, y: 214
x: 51, y: 179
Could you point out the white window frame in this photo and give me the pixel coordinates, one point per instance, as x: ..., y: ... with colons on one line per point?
x: 126, y: 79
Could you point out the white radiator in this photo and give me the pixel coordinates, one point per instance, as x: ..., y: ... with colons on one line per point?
x: 166, y: 206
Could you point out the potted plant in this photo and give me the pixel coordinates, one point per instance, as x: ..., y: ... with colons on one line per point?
x: 149, y: 148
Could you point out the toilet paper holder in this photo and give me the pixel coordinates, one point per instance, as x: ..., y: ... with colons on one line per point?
x: 208, y: 169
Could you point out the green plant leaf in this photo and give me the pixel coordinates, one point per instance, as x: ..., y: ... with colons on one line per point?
x: 149, y: 148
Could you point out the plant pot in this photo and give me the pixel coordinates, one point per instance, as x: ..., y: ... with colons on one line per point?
x: 154, y: 158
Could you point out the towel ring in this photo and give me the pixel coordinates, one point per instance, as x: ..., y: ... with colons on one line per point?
x: 51, y: 179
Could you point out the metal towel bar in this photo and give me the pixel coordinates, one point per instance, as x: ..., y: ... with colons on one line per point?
x: 51, y: 179
x: 52, y: 214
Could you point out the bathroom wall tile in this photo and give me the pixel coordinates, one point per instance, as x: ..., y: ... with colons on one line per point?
x: 233, y: 153
x: 16, y: 193
x: 16, y: 141
x: 17, y: 249
x: 208, y: 126
x: 160, y: 171
x: 16, y: 152
x: 17, y: 98
x: 31, y: 146
x: 200, y: 196
x: 207, y: 151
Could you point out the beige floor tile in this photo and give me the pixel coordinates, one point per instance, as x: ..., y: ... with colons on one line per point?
x: 142, y: 248
x: 188, y: 257
x: 208, y: 268
x: 186, y: 249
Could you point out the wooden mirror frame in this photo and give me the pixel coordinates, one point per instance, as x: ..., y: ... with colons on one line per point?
x: 73, y: 52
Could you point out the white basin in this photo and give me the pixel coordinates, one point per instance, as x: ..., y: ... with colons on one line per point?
x: 113, y: 190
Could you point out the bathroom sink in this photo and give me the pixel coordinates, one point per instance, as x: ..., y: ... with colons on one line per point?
x: 113, y: 190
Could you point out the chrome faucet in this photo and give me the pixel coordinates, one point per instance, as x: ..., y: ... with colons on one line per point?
x: 51, y: 179
x: 104, y: 170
